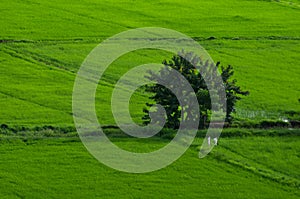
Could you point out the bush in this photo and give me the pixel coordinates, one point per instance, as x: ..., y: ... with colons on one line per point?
x: 273, y: 123
x: 295, y: 123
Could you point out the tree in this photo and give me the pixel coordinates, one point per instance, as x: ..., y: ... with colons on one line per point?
x: 233, y: 92
x: 184, y: 63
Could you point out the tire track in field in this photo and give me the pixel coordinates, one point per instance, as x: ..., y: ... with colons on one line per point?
x: 245, y: 157
x: 109, y: 8
x: 24, y: 99
x: 257, y: 168
x: 75, y: 14
x: 36, y: 58
x: 34, y: 103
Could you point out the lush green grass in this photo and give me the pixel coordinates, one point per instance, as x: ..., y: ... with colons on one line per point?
x: 39, y: 20
x: 55, y: 168
x: 269, y: 70
x: 34, y: 94
x: 42, y: 45
x: 259, y: 38
x: 278, y: 153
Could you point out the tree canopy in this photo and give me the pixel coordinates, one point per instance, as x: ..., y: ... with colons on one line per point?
x: 185, y: 64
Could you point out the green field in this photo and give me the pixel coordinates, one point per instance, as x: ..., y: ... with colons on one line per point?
x: 261, y: 167
x: 42, y: 46
x: 44, y: 43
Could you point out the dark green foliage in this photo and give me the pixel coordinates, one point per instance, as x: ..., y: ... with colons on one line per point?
x: 233, y: 92
x: 271, y: 123
x: 184, y: 63
x: 41, y: 131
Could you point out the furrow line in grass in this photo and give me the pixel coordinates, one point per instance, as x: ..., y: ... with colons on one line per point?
x: 33, y: 102
x: 256, y: 168
x: 35, y: 58
x: 47, y: 61
x: 90, y: 17
x: 85, y: 16
x: 247, y: 38
x: 89, y: 40
x: 287, y: 3
x: 101, y: 38
x: 243, y: 156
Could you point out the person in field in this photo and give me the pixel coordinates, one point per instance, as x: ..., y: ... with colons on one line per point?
x: 215, y: 141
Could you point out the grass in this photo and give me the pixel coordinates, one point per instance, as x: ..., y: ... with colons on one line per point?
x: 272, y: 86
x: 42, y: 45
x: 44, y: 50
x: 90, y: 19
x: 279, y: 154
x: 54, y: 168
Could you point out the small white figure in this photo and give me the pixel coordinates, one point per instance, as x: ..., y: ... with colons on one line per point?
x: 215, y: 141
x: 208, y: 140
